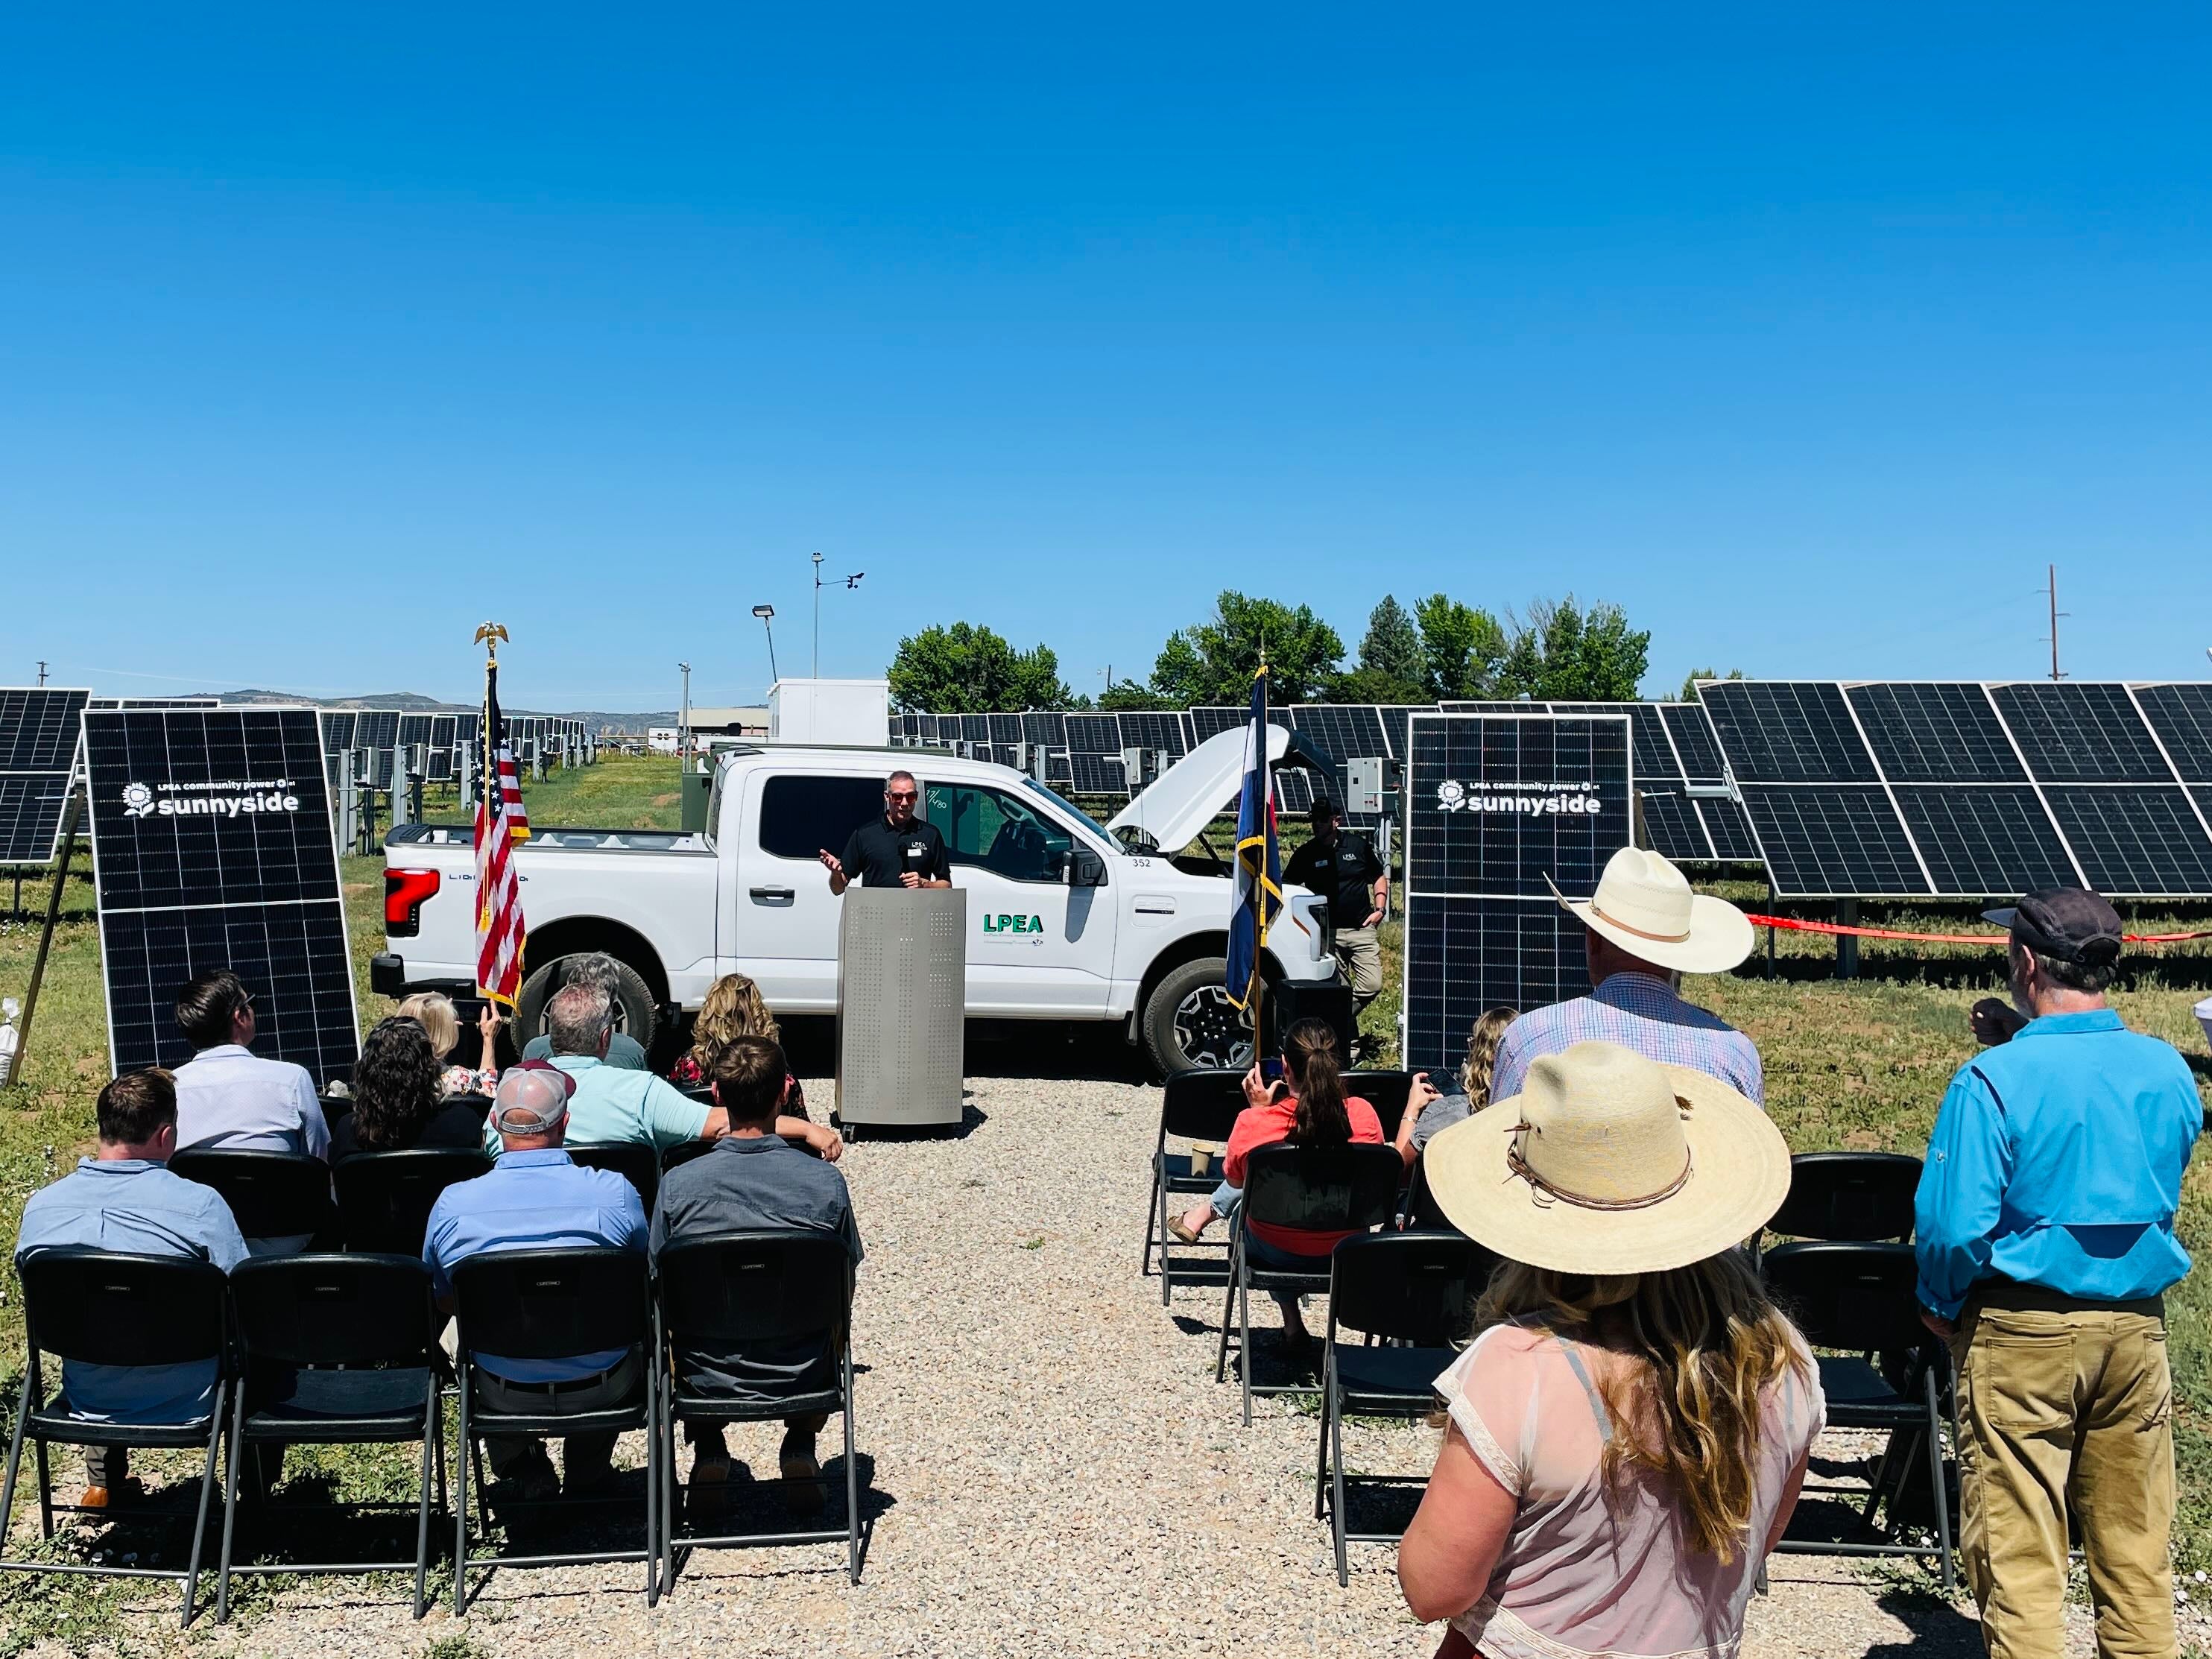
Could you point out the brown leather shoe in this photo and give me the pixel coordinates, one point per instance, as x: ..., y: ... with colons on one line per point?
x: 127, y: 1491
x: 805, y: 1493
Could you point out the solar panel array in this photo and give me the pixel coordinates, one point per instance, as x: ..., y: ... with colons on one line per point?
x: 1969, y: 789
x: 1482, y: 929
x: 37, y: 753
x: 212, y: 847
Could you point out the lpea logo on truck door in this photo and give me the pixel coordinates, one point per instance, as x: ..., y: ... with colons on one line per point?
x: 1013, y: 924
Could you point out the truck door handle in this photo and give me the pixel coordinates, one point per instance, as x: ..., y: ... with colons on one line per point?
x: 773, y: 896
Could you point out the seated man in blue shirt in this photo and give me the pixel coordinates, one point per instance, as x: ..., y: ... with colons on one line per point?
x: 536, y: 1199
x: 2046, y: 1242
x: 754, y: 1179
x: 123, y: 1199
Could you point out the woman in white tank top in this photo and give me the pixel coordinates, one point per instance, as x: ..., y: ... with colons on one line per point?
x: 1627, y: 1436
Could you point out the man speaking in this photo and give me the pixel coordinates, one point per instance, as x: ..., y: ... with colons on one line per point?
x: 897, y: 850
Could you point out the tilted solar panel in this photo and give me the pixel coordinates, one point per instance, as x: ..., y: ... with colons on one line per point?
x: 1294, y: 791
x: 1095, y: 774
x: 1691, y: 729
x: 1342, y: 731
x: 2181, y: 715
x: 1095, y: 734
x: 1047, y: 727
x: 1672, y: 826
x: 2135, y: 841
x: 1730, y: 830
x: 1934, y: 732
x: 1829, y: 842
x: 2084, y: 731
x: 1978, y: 842
x: 1654, y: 757
x: 38, y: 729
x: 1787, y: 732
x: 1162, y: 729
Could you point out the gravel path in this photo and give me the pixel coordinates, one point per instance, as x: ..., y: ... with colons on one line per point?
x: 1055, y: 1469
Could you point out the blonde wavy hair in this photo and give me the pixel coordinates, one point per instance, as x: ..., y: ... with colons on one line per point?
x: 733, y: 1009
x: 434, y: 1012
x: 1698, y: 1346
x: 1482, y: 1056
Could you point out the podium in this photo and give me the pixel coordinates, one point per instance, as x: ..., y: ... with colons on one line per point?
x: 902, y: 1005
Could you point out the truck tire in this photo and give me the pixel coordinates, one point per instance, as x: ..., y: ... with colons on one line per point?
x: 634, y: 1015
x: 1190, y: 1024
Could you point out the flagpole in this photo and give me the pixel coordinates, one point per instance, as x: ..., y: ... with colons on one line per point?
x: 1258, y: 993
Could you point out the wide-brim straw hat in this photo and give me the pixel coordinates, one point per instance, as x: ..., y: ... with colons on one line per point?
x: 1643, y: 905
x: 1608, y: 1162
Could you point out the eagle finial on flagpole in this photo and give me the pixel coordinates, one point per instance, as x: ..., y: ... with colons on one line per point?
x: 491, y: 636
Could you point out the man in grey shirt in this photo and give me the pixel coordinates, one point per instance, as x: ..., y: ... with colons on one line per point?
x: 597, y: 969
x: 753, y: 1180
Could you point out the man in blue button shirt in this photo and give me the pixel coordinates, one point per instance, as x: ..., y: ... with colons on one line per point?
x: 536, y: 1199
x: 2044, y: 1223
x: 125, y: 1199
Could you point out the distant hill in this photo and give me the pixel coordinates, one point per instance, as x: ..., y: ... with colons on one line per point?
x: 414, y: 702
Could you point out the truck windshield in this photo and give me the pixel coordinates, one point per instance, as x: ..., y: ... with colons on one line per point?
x: 1076, y: 813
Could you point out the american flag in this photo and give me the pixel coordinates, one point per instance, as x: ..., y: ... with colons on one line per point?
x: 501, y: 823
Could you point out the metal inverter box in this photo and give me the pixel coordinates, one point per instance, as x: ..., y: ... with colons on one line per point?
x: 901, y: 1005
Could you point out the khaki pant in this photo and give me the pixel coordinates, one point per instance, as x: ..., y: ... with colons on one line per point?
x: 1361, y: 953
x: 2066, y: 1410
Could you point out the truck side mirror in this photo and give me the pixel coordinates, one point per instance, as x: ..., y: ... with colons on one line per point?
x: 1084, y: 868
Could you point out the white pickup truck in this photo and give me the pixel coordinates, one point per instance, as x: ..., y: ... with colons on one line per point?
x: 1067, y: 919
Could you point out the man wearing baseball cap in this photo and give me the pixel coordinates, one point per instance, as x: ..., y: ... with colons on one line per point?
x: 536, y: 1199
x: 2046, y: 1242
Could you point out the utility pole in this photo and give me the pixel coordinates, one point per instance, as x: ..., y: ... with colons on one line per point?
x: 684, y: 719
x: 2051, y: 592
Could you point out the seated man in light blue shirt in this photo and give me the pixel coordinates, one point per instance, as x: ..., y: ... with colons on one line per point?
x: 535, y: 1198
x: 598, y: 968
x: 124, y: 1200
x: 230, y: 1098
x: 611, y: 1107
x: 2044, y: 1233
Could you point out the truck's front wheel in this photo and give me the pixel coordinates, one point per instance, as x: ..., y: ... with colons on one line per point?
x: 636, y: 1011
x: 1190, y: 1024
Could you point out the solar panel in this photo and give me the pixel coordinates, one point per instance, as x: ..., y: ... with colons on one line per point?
x: 1157, y: 729
x: 1059, y: 769
x: 1787, y: 732
x: 212, y: 849
x: 1095, y: 734
x: 1672, y: 826
x: 1496, y: 706
x: 38, y: 750
x: 1210, y: 720
x: 1934, y: 732
x: 337, y: 726
x: 2134, y: 842
x: 1488, y: 822
x: 1095, y: 774
x: 1047, y: 727
x: 1985, y: 843
x: 438, y: 764
x: 1394, y: 716
x: 1294, y: 790
x: 2181, y: 715
x: 1006, y: 728
x: 1695, y: 746
x: 1730, y: 830
x: 2081, y: 733
x: 374, y: 732
x: 975, y: 728
x: 1342, y: 731
x: 1654, y: 756
x: 1830, y: 842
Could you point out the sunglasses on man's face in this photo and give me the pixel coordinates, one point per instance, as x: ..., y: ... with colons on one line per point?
x: 899, y: 794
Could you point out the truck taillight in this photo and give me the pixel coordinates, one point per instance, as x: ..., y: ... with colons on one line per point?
x: 403, y: 893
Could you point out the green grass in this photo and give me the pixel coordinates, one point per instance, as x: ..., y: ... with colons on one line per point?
x: 1859, y: 1064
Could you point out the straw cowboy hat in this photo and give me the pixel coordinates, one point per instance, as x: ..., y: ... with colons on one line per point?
x: 1644, y: 905
x: 1608, y: 1162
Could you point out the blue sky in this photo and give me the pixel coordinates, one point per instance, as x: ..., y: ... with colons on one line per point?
x: 1810, y: 338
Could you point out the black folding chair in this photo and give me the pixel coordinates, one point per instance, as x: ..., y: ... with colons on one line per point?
x: 270, y: 1195
x: 384, y: 1199
x: 1422, y: 1214
x: 553, y: 1304
x: 106, y: 1308
x: 338, y: 1350
x: 1413, y: 1289
x: 1858, y: 1197
x: 766, y: 1288
x: 1345, y: 1188
x: 1861, y: 1298
x: 635, y: 1162
x: 1386, y: 1091
x: 1197, y: 1106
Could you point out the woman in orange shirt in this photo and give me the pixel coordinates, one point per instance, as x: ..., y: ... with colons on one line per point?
x: 1307, y: 1107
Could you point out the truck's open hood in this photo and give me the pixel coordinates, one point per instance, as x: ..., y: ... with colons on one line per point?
x: 1191, y: 792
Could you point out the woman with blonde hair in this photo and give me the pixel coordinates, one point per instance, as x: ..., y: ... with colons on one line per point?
x: 1430, y: 1109
x: 733, y: 1009
x: 1627, y: 1435
x: 434, y: 1012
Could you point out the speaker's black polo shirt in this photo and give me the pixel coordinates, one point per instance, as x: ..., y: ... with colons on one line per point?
x: 878, y: 855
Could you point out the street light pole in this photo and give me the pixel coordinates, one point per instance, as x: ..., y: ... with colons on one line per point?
x: 767, y: 615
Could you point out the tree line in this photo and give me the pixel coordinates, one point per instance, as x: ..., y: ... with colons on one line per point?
x: 1440, y: 650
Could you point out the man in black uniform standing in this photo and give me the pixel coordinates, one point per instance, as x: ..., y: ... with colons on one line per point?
x: 897, y: 850
x: 1344, y: 868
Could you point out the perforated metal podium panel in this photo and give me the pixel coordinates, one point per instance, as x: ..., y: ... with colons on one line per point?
x: 903, y: 1004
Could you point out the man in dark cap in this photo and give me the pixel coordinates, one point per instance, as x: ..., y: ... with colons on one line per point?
x: 2045, y: 1243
